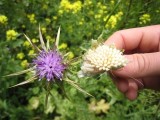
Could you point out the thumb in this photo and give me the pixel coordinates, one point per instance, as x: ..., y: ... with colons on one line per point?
x: 140, y: 65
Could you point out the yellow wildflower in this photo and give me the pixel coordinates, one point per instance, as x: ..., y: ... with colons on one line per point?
x: 31, y: 52
x: 34, y: 40
x: 55, y: 17
x: 63, y: 46
x: 20, y: 55
x: 104, y: 7
x: 119, y: 14
x: 81, y: 23
x: 67, y: 6
x: 3, y: 19
x: 112, y: 22
x: 99, y: 4
x: 71, y: 55
x: 49, y: 38
x: 26, y: 43
x: 60, y: 12
x: 43, y: 30
x: 112, y: 2
x: 97, y: 16
x: 87, y: 2
x: 11, y: 34
x: 31, y: 18
x: 24, y: 63
x: 145, y: 18
x: 48, y: 21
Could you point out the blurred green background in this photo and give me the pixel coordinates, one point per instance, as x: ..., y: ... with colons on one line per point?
x: 80, y: 21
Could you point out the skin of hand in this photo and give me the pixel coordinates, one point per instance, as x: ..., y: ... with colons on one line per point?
x: 142, y: 49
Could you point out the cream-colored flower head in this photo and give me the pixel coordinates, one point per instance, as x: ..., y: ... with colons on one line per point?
x: 102, y: 58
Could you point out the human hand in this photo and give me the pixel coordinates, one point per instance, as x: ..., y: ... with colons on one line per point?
x: 142, y: 49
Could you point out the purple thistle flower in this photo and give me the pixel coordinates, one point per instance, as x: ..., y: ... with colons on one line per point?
x: 49, y: 65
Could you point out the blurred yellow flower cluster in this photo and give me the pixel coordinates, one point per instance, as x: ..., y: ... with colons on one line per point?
x: 3, y: 19
x: 99, y: 107
x: 48, y: 21
x: 24, y: 63
x: 102, y: 10
x: 112, y: 22
x: 70, y: 53
x: 26, y: 43
x: 88, y: 2
x: 20, y: 55
x: 31, y: 52
x: 63, y: 46
x: 31, y: 18
x: 112, y: 2
x: 11, y: 34
x: 67, y: 6
x: 43, y: 29
x: 145, y: 18
x: 34, y: 40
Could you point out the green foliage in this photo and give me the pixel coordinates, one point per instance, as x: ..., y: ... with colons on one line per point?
x: 80, y: 21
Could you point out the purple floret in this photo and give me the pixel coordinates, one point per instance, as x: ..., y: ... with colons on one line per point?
x: 49, y: 65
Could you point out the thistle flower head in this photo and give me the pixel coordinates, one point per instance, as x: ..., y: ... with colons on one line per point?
x: 49, y: 65
x: 101, y: 58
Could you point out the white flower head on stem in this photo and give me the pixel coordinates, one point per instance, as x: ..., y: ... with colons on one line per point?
x: 100, y: 59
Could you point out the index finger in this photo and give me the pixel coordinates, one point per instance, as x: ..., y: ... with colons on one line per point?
x: 143, y: 39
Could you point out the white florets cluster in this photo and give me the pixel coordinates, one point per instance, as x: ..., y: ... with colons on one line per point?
x: 100, y: 59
